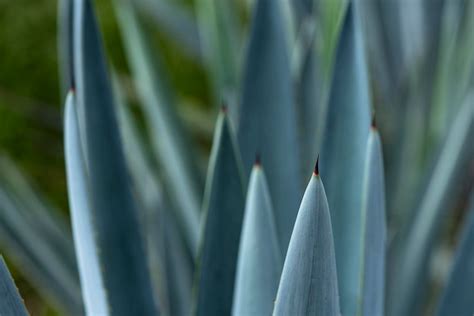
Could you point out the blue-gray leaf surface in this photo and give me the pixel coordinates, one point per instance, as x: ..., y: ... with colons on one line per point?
x: 267, y: 120
x: 374, y: 229
x: 168, y: 137
x: 260, y: 261
x: 11, y: 303
x: 120, y: 245
x: 37, y: 240
x: 93, y: 292
x: 410, y: 266
x: 343, y: 156
x: 308, y: 284
x: 457, y: 297
x: 221, y: 225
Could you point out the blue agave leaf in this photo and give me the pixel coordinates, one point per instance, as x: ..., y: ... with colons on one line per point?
x: 65, y: 14
x: 170, y: 259
x: 267, y: 122
x: 177, y: 23
x: 374, y: 229
x: 120, y: 245
x: 92, y: 285
x: 408, y: 268
x: 221, y: 41
x: 455, y: 65
x: 343, y: 155
x: 168, y: 138
x: 260, y: 261
x: 37, y: 240
x: 308, y: 284
x: 11, y: 302
x: 457, y: 298
x: 221, y: 225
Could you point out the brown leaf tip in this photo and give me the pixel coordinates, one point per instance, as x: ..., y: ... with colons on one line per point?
x: 374, y: 122
x: 258, y: 161
x: 224, y: 108
x: 316, y: 167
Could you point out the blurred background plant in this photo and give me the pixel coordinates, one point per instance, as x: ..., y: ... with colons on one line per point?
x: 420, y: 56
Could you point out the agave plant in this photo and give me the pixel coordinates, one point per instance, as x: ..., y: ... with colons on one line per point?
x: 151, y: 238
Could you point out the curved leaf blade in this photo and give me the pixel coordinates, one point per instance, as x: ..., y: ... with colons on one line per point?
x: 409, y: 267
x: 343, y: 155
x: 259, y: 264
x: 120, y: 246
x: 37, y: 240
x: 11, y: 302
x: 374, y: 229
x: 221, y: 226
x: 92, y: 286
x: 457, y: 298
x: 169, y: 142
x: 308, y: 284
x: 267, y: 122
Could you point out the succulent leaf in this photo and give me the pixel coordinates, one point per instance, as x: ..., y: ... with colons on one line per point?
x: 92, y: 285
x: 267, y: 120
x: 11, y: 302
x: 308, y: 284
x: 260, y: 262
x: 343, y: 155
x: 374, y: 230
x: 169, y: 140
x: 119, y: 243
x: 221, y: 225
x: 456, y: 299
x: 409, y: 269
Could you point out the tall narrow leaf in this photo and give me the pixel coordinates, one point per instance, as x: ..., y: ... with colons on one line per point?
x: 408, y: 269
x: 308, y: 284
x: 167, y: 135
x: 37, y: 240
x: 267, y: 122
x: 171, y: 261
x: 120, y: 245
x: 220, y: 40
x: 92, y: 286
x: 222, y: 222
x: 343, y: 154
x: 260, y: 262
x: 10, y: 303
x: 374, y: 229
x: 457, y: 297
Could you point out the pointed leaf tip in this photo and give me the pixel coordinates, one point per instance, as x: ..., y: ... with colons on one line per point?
x: 224, y: 108
x: 258, y: 161
x: 373, y: 124
x: 316, y: 167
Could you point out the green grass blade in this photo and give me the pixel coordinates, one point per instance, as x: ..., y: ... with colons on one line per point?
x: 169, y: 141
x: 11, y: 302
x: 37, y: 240
x: 343, y: 155
x: 120, y: 245
x: 260, y: 261
x: 267, y: 122
x: 457, y: 298
x: 93, y: 291
x: 222, y: 221
x: 374, y: 229
x: 308, y: 284
x: 409, y: 264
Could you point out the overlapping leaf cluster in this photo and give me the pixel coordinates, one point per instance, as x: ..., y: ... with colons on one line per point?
x: 151, y: 238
